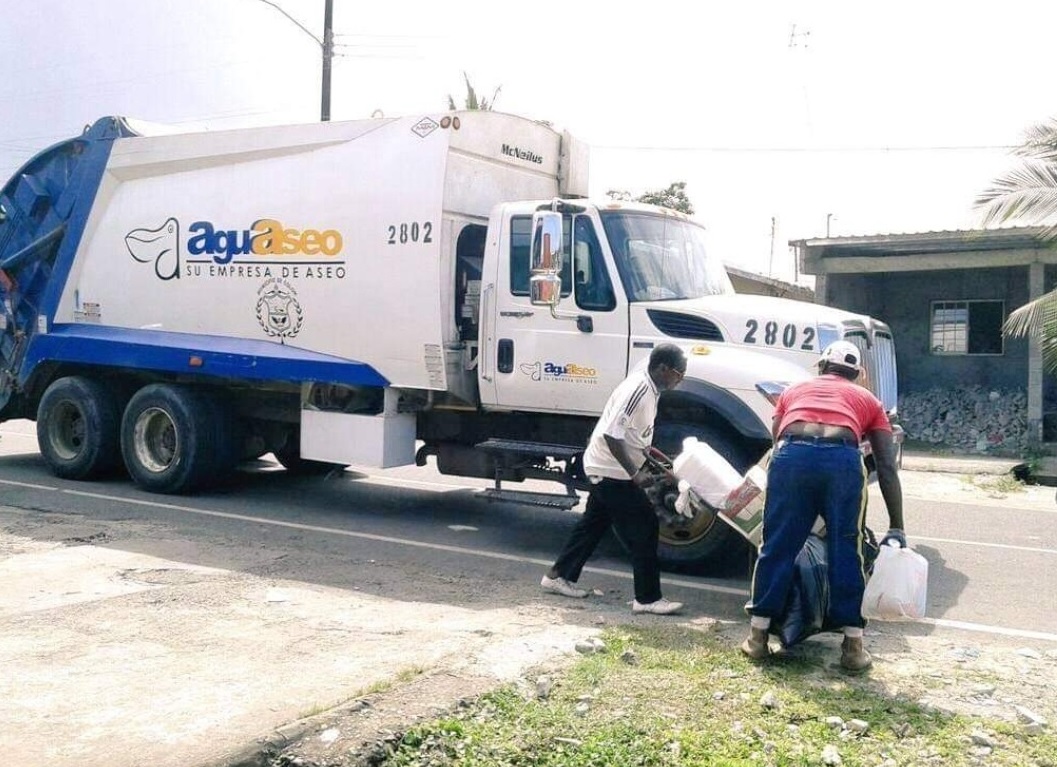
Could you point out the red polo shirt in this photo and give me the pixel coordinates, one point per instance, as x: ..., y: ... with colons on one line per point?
x: 833, y: 400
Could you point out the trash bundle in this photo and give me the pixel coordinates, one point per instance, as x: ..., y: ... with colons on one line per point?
x: 807, y: 607
x: 737, y: 498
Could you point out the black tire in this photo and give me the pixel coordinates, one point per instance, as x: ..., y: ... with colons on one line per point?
x: 79, y: 428
x: 705, y: 543
x: 288, y: 453
x: 175, y: 439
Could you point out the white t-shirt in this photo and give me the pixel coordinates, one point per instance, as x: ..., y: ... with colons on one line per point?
x: 628, y: 416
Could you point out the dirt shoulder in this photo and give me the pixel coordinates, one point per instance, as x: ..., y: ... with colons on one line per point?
x: 984, y: 676
x: 987, y: 679
x: 125, y: 644
x: 120, y: 647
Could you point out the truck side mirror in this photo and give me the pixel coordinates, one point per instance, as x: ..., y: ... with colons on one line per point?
x: 545, y: 289
x: 545, y: 285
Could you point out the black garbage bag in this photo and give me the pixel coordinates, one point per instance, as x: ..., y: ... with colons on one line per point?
x: 807, y: 608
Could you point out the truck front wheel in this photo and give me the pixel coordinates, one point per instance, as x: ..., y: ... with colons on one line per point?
x: 78, y: 428
x: 174, y: 439
x: 704, y: 543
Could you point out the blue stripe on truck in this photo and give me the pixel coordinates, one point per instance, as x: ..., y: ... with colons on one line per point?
x: 221, y: 356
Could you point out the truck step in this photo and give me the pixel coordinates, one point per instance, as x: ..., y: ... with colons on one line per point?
x: 552, y: 500
x: 529, y: 448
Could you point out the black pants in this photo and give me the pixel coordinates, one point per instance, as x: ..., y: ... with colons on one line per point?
x: 624, y: 506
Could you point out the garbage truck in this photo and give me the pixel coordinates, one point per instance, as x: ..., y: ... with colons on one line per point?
x: 381, y: 292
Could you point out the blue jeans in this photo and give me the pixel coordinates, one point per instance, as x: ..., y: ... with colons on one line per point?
x: 809, y: 478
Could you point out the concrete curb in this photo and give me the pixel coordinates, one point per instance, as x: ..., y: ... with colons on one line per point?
x: 260, y: 753
x: 954, y: 464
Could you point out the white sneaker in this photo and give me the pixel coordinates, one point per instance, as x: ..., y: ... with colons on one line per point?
x: 563, y: 587
x: 661, y: 607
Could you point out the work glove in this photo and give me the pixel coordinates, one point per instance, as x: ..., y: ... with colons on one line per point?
x: 896, y: 537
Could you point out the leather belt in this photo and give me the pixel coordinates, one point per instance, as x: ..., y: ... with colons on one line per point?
x: 809, y: 440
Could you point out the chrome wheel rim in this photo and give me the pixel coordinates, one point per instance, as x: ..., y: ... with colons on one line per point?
x: 156, y: 439
x: 66, y: 430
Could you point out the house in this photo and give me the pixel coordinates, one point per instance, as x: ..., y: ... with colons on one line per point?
x: 945, y: 296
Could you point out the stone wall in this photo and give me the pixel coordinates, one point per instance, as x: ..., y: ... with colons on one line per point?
x: 972, y: 419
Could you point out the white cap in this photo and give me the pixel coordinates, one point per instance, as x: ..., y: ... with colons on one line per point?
x: 842, y: 353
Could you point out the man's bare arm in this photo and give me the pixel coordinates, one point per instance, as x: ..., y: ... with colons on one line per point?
x: 630, y: 459
x: 884, y: 452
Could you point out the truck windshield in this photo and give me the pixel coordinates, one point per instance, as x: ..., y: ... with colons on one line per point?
x: 662, y: 258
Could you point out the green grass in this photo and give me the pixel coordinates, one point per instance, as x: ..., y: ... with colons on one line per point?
x: 692, y: 699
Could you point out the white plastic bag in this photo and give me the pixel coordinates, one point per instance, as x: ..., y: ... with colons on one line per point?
x: 898, y: 588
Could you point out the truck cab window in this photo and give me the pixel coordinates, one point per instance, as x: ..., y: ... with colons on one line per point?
x: 469, y: 255
x: 520, y: 250
x: 594, y: 291
x: 661, y: 257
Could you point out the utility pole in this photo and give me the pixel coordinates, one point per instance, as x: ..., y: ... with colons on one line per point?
x: 326, y: 45
x: 328, y: 56
x: 770, y: 263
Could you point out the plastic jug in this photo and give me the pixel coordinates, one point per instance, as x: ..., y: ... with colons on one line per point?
x: 709, y: 474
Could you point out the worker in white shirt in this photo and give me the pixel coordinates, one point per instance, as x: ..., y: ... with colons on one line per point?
x: 616, y: 465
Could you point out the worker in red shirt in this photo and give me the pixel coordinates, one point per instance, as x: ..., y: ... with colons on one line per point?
x: 817, y: 470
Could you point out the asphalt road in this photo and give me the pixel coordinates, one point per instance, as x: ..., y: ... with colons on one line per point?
x: 295, y: 593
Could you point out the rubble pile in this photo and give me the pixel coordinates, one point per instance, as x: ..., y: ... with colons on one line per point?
x: 970, y: 418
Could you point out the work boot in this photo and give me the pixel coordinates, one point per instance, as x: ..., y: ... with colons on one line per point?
x: 755, y: 644
x: 853, y: 656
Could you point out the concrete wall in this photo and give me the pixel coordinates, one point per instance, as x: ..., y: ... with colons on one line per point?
x: 904, y: 301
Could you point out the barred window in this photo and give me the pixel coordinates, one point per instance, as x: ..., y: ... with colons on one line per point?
x: 967, y: 327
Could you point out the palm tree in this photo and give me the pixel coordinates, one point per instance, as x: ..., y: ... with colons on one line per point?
x: 1027, y: 195
x: 472, y: 102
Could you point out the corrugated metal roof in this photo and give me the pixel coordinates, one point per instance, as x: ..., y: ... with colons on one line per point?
x: 777, y: 287
x: 948, y: 241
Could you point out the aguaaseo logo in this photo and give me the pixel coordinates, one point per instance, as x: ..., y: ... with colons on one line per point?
x: 267, y: 237
x: 554, y: 371
x: 267, y: 242
x: 569, y: 370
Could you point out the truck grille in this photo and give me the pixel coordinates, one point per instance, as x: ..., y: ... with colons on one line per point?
x: 879, y: 358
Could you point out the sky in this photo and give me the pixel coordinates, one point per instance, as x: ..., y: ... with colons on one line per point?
x: 786, y: 119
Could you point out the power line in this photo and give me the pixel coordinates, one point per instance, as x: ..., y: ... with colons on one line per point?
x: 805, y: 149
x: 392, y: 56
x: 80, y: 87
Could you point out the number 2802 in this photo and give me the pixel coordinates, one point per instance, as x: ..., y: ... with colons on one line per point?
x: 401, y: 234
x: 772, y: 335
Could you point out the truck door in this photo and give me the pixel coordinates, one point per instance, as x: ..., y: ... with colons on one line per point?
x: 569, y: 363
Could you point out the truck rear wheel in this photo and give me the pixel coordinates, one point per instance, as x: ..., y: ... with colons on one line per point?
x: 175, y: 439
x: 704, y: 543
x: 79, y: 428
